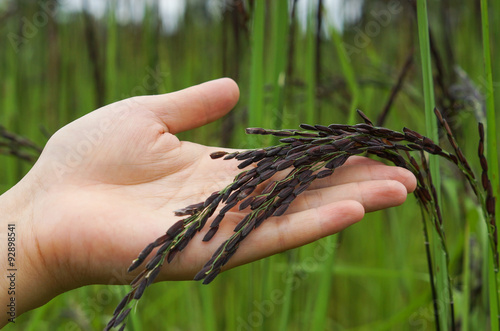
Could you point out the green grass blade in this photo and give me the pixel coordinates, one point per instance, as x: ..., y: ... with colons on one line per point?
x: 348, y: 71
x: 310, y: 70
x: 256, y: 101
x: 492, y: 158
x: 443, y: 285
x: 280, y: 46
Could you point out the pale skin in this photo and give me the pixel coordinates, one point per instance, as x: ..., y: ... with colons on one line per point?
x: 107, y: 184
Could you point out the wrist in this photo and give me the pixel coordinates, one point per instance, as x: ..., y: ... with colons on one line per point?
x: 24, y: 284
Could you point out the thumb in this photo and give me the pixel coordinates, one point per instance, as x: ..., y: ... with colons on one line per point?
x: 194, y: 106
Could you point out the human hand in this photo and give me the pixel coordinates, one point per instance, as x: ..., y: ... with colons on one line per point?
x: 107, y: 184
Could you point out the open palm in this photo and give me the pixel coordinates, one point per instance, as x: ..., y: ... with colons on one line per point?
x: 112, y: 179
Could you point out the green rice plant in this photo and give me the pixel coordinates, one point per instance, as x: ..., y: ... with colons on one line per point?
x: 308, y: 155
x: 280, y: 34
x: 442, y: 293
x: 256, y: 101
x: 492, y: 158
x: 349, y: 75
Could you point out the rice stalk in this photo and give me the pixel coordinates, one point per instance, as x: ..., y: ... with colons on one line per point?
x: 492, y: 161
x: 443, y: 281
x: 308, y: 154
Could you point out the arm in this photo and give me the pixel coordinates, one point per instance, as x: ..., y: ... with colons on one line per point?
x: 108, y: 183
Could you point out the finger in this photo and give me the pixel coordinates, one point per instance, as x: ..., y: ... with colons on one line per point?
x: 372, y: 195
x: 365, y: 172
x: 294, y: 230
x: 194, y: 106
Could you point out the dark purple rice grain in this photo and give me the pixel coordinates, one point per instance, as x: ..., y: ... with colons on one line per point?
x: 164, y: 248
x: 248, y: 228
x: 261, y: 167
x: 283, y: 133
x: 258, y: 201
x: 490, y: 205
x: 232, y: 197
x: 415, y: 147
x: 146, y: 251
x: 412, y: 135
x: 288, y: 140
x: 242, y: 223
x: 217, y: 155
x: 138, y: 278
x: 233, y: 242
x: 246, y: 192
x: 210, y: 199
x: 283, y: 164
x: 307, y: 127
x: 153, y: 262
x: 301, y: 188
x: 210, y: 233
x: 211, y: 276
x: 324, y: 173
x: 302, y: 161
x: 171, y: 254
x: 256, y: 131
x: 364, y: 117
x: 267, y: 174
x: 245, y: 164
x: 273, y: 151
x: 245, y: 203
x: 153, y: 274
x: 140, y: 290
x: 136, y: 263
x: 122, y: 303
x: 202, y: 273
x: 323, y: 129
x: 215, y: 223
x: 231, y: 156
x: 316, y: 150
x: 121, y: 317
x: 175, y: 229
x: 294, y: 150
x: 281, y: 209
x: 182, y: 243
x: 216, y: 202
x: 285, y: 192
x: 485, y: 180
x: 245, y: 155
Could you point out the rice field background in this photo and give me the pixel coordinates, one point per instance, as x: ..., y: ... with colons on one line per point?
x: 295, y: 61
